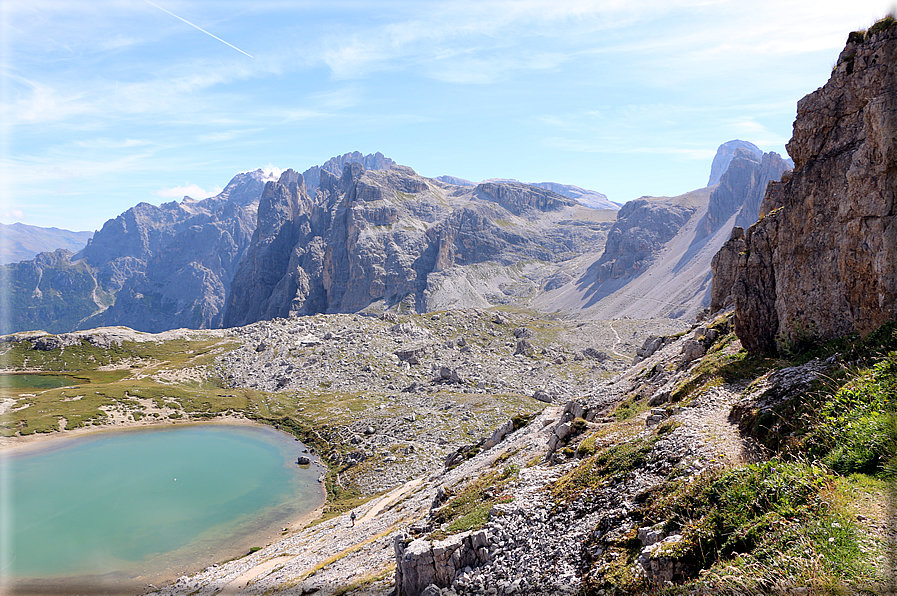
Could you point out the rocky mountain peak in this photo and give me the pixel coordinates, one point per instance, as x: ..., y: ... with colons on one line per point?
x: 725, y: 154
x: 336, y: 165
x: 741, y: 189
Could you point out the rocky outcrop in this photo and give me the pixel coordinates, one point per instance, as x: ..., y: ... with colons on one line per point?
x: 822, y: 262
x: 420, y: 564
x: 724, y: 267
x: 724, y: 155
x: 642, y: 228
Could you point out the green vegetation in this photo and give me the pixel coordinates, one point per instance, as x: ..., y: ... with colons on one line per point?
x: 753, y: 529
x: 856, y: 427
x: 617, y: 459
x: 469, y: 509
x: 794, y: 521
x: 630, y: 407
x: 881, y: 25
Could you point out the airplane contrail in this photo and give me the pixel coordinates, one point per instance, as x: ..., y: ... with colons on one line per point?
x: 198, y: 27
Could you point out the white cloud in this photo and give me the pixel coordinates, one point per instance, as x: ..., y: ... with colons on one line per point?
x: 16, y: 214
x: 191, y: 190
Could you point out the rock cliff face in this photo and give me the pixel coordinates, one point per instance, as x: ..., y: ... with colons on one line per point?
x: 384, y: 239
x: 724, y: 155
x: 823, y: 261
x: 741, y: 189
x: 642, y: 228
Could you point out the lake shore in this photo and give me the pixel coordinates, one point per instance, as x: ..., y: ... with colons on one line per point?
x: 22, y: 443
x: 115, y: 583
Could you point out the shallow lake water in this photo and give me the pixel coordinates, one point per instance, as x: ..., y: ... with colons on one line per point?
x: 38, y: 381
x: 137, y: 506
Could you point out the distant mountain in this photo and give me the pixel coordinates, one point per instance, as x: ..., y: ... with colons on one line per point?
x: 724, y: 154
x: 455, y: 180
x: 363, y: 234
x: 335, y: 165
x: 589, y: 198
x: 20, y: 242
x: 393, y: 240
x: 741, y: 189
x: 151, y: 268
x: 657, y: 259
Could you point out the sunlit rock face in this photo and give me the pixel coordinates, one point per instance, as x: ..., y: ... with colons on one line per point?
x: 822, y: 262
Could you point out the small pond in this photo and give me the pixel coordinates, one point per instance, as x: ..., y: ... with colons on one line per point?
x: 38, y: 381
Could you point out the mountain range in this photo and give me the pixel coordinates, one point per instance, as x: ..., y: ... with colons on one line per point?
x: 20, y: 242
x: 361, y: 233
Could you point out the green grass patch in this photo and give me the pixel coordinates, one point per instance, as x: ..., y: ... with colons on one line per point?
x: 723, y: 364
x: 630, y: 407
x: 469, y: 509
x: 618, y: 458
x: 856, y: 426
x: 763, y: 526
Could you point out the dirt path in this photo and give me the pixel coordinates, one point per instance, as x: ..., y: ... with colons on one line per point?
x: 617, y: 343
x: 390, y: 498
x: 237, y: 585
x: 710, y: 418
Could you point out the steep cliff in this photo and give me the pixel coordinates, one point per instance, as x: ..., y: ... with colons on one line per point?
x: 823, y: 261
x: 643, y: 227
x: 741, y: 189
x: 725, y: 153
x: 391, y: 239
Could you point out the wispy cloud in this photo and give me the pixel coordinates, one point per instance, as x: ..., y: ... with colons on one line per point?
x: 106, y: 143
x: 192, y: 190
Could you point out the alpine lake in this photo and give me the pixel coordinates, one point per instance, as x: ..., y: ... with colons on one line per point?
x: 114, y: 511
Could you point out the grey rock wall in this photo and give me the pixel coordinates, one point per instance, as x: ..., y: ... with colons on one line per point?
x: 823, y: 261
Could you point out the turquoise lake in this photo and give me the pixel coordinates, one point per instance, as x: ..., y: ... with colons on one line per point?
x: 136, y: 506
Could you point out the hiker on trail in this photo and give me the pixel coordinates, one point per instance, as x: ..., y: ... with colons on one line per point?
x: 352, y: 517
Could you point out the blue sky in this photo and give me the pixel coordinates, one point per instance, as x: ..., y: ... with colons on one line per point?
x: 108, y: 103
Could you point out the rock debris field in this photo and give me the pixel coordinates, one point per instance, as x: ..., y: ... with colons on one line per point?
x: 535, y: 539
x: 395, y: 395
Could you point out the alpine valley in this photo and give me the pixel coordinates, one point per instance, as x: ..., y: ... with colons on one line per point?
x: 517, y: 389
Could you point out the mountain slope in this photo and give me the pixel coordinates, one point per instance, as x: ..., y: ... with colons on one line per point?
x: 391, y: 239
x: 657, y: 261
x: 20, y: 242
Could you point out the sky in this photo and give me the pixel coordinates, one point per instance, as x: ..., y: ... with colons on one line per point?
x: 104, y: 104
